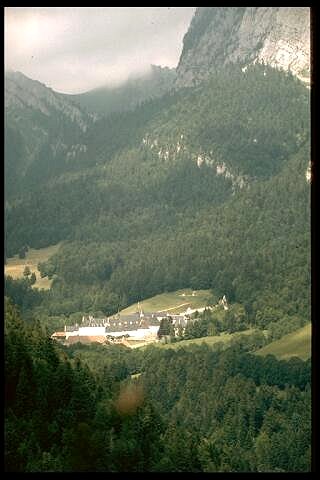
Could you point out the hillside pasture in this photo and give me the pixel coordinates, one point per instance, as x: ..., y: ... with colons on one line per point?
x: 296, y: 343
x: 211, y: 340
x: 15, y: 266
x: 173, y: 302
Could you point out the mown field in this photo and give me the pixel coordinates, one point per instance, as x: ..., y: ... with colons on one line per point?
x: 211, y: 340
x: 15, y: 265
x: 174, y: 302
x: 223, y: 337
x: 297, y: 343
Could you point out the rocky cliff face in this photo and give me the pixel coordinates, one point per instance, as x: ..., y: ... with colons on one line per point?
x: 278, y: 36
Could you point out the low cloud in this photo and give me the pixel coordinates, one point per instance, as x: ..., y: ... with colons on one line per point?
x: 75, y: 49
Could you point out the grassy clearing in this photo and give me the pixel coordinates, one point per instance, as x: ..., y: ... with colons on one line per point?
x: 297, y: 343
x: 137, y: 343
x: 174, y: 302
x: 15, y: 265
x: 223, y: 338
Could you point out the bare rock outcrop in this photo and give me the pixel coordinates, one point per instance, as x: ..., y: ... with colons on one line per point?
x: 278, y: 36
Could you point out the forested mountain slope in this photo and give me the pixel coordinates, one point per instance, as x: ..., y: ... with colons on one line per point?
x: 204, y: 188
x: 43, y: 134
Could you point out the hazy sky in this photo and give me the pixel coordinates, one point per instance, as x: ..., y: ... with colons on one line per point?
x: 75, y: 49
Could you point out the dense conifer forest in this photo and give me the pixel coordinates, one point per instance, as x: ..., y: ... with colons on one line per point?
x: 191, y: 410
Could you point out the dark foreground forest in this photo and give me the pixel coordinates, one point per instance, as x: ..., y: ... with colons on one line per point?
x: 109, y: 408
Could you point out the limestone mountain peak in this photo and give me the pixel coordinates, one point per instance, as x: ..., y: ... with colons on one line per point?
x: 278, y: 36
